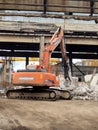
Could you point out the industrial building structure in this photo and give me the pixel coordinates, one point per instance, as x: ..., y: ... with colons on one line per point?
x: 24, y: 38
x: 26, y: 27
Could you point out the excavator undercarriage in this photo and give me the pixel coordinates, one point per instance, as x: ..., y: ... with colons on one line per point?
x: 50, y: 94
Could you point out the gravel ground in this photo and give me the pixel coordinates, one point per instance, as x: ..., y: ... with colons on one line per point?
x: 48, y: 115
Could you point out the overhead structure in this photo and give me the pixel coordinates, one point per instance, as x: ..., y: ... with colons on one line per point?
x: 66, y: 6
x: 23, y: 39
x: 60, y: 8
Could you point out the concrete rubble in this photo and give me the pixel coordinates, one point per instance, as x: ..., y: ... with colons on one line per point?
x: 82, y: 90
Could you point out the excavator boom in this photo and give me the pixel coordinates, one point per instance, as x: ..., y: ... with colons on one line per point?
x: 49, y: 48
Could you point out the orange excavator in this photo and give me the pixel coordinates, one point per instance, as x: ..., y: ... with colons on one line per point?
x: 37, y: 81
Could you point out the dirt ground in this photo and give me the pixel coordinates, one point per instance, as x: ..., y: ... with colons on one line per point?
x: 48, y: 115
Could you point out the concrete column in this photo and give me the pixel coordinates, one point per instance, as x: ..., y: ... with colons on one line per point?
x: 6, y: 73
x: 42, y: 41
x: 70, y: 61
x: 27, y: 61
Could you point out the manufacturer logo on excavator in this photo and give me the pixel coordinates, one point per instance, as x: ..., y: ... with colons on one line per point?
x: 26, y: 78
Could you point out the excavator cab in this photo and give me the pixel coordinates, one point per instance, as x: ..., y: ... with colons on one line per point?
x: 31, y: 67
x: 34, y: 67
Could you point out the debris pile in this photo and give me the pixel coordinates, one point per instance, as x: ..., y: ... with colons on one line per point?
x: 87, y: 90
x: 81, y: 90
x: 65, y: 84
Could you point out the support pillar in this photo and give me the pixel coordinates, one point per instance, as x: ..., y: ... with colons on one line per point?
x: 42, y: 40
x: 27, y: 61
x: 70, y: 61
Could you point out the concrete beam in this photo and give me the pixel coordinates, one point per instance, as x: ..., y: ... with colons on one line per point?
x: 30, y: 27
x: 81, y: 41
x: 20, y: 39
x: 37, y: 39
x: 59, y: 16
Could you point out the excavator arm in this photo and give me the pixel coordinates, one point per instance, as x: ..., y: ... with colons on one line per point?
x: 57, y: 38
x: 49, y: 48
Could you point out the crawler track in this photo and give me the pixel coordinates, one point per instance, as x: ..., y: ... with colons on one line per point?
x: 35, y: 94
